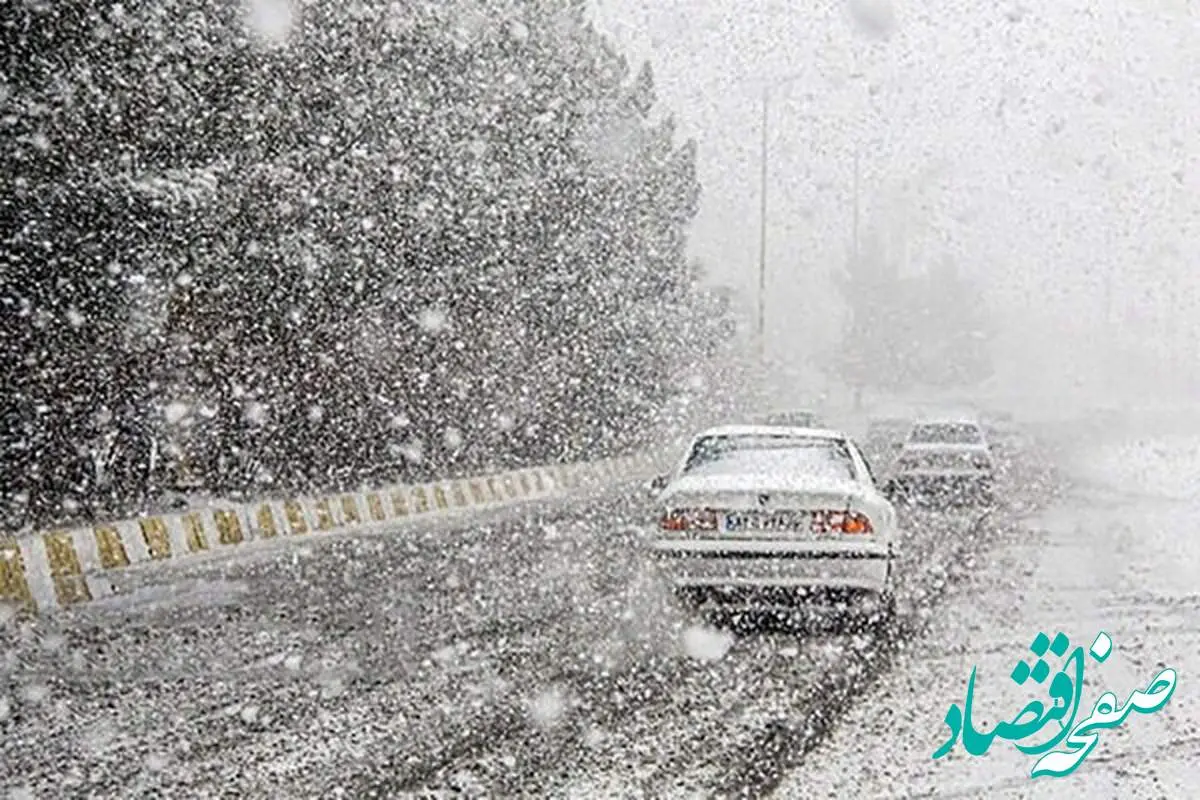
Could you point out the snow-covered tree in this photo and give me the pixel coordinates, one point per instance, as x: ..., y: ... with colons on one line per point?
x: 367, y: 241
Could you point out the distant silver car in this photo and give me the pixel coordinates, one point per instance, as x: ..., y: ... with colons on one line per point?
x: 771, y: 518
x: 944, y: 462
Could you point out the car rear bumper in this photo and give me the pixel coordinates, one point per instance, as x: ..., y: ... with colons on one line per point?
x: 773, y: 572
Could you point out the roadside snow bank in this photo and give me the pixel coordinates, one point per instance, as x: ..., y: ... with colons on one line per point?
x: 1112, y: 556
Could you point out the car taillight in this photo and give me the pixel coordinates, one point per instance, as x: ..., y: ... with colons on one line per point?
x: 701, y: 519
x: 841, y: 522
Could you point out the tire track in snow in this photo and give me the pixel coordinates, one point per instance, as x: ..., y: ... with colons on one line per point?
x: 162, y: 678
x: 690, y: 748
x: 786, y: 739
x: 659, y: 731
x: 707, y: 708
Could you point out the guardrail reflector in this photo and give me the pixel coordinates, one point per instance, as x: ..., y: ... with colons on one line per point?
x: 70, y: 587
x: 193, y: 532
x: 350, y: 509
x: 325, y: 520
x: 295, y: 517
x: 13, y: 586
x: 110, y: 548
x: 158, y: 542
x: 229, y: 527
x: 266, y: 522
x: 375, y: 506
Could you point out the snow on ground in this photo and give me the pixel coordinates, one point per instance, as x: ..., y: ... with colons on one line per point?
x: 1119, y: 554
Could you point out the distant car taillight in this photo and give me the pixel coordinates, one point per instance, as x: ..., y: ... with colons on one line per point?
x: 690, y: 519
x: 841, y: 522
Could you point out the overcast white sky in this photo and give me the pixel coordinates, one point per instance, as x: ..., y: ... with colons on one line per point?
x: 1039, y: 143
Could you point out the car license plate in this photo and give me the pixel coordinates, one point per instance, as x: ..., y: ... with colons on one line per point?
x: 750, y: 522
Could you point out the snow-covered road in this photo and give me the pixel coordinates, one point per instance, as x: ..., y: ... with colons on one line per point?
x: 524, y: 657
x: 1119, y: 553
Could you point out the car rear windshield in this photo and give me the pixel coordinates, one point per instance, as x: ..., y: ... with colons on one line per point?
x: 770, y: 455
x: 946, y: 433
x: 918, y: 461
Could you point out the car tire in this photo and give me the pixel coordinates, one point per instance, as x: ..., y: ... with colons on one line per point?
x: 889, y: 605
x: 886, y: 602
x: 878, y: 617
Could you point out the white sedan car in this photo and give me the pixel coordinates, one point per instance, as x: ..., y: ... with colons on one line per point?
x: 770, y: 518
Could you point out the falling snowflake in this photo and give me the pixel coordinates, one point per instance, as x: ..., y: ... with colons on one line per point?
x: 74, y: 318
x: 255, y: 413
x: 315, y: 413
x: 446, y: 656
x: 273, y: 20
x: 35, y: 692
x: 331, y: 686
x: 434, y: 320
x: 412, y: 451
x: 176, y: 412
x: 453, y: 438
x: 594, y: 737
x: 548, y: 708
x: 518, y: 30
x: 705, y: 644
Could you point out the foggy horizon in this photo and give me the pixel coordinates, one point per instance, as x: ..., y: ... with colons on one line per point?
x: 1041, y: 146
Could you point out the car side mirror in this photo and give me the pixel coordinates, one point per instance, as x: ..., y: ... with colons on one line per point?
x: 657, y: 484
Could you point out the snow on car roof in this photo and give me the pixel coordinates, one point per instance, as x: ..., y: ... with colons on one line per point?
x: 948, y: 418
x: 945, y: 446
x: 790, y: 410
x: 771, y: 430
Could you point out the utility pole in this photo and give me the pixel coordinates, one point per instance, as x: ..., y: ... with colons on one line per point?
x: 762, y: 234
x: 1108, y: 296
